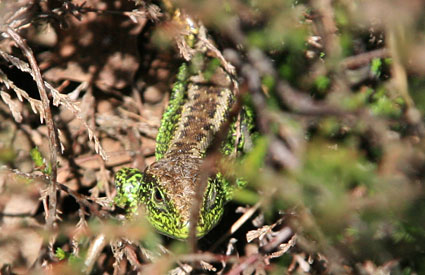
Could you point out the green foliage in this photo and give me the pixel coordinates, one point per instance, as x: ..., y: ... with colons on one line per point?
x: 383, y: 104
x: 40, y: 162
x: 254, y: 160
x: 376, y: 67
x: 269, y: 82
x: 346, y: 41
x: 37, y: 157
x: 212, y: 66
x: 328, y: 176
x: 380, y: 101
x: 322, y: 83
x: 73, y: 262
x: 61, y: 254
x: 246, y: 196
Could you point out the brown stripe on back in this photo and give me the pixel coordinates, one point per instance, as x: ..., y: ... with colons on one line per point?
x: 201, y: 118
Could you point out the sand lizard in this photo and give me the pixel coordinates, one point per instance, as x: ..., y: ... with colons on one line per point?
x: 200, y: 103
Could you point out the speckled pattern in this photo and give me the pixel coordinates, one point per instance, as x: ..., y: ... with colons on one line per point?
x: 167, y: 187
x: 197, y: 109
x: 205, y: 110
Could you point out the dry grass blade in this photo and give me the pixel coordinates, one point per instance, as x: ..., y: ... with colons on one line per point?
x: 14, y: 108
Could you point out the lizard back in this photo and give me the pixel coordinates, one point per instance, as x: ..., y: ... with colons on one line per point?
x: 202, y: 115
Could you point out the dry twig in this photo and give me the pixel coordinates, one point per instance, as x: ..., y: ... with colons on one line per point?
x: 58, y: 98
x: 52, y: 130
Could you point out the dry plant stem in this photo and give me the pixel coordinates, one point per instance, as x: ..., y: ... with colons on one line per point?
x: 400, y: 80
x: 132, y: 258
x: 138, y: 101
x: 363, y: 59
x: 328, y: 27
x: 208, y: 257
x: 95, y: 249
x: 18, y: 20
x: 283, y: 235
x: 300, y: 103
x: 52, y: 131
x: 398, y: 71
x: 238, y: 269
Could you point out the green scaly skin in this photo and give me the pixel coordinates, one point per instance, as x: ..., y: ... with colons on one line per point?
x: 197, y: 109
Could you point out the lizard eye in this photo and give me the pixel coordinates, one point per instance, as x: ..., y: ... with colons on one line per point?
x: 158, y: 196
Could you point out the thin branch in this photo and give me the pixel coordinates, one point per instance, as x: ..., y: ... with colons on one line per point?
x: 52, y: 131
x: 360, y: 60
x: 327, y: 27
x: 93, y: 253
x: 249, y: 261
x: 301, y: 103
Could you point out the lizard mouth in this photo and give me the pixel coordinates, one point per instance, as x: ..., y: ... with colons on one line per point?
x: 200, y: 230
x: 186, y: 227
x: 182, y: 232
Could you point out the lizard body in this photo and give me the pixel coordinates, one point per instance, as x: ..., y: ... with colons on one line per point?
x: 198, y: 107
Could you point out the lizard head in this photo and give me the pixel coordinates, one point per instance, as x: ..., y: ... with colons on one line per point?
x: 166, y: 189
